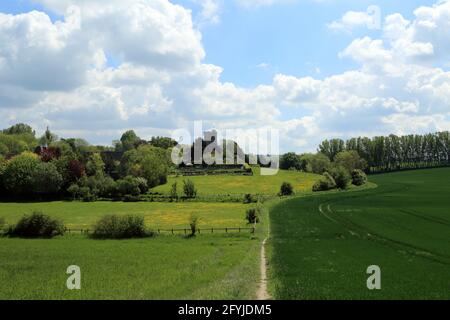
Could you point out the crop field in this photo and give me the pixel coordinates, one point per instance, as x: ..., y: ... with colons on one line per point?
x: 256, y: 184
x: 82, y: 215
x: 321, y: 246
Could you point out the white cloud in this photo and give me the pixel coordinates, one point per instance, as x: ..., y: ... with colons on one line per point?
x: 261, y: 3
x: 57, y: 73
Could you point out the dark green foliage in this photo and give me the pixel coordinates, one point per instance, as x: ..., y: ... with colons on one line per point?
x: 332, y: 147
x: 128, y: 186
x: 46, y: 179
x: 286, y: 189
x: 359, y: 178
x: 129, y: 140
x: 189, y: 189
x: 253, y: 215
x: 315, y: 163
x: 163, y: 142
x: 341, y: 176
x: 193, y: 223
x: 325, y: 183
x: 290, y: 161
x: 37, y: 225
x: 350, y: 160
x: 120, y: 227
x: 390, y: 153
x: 19, y: 128
x: 174, y: 191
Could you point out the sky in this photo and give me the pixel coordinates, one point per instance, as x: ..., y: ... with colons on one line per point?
x: 311, y: 69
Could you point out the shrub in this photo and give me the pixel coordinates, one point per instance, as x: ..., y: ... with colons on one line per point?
x: 120, y: 227
x: 128, y: 185
x: 193, y: 222
x: 340, y: 176
x: 173, y: 191
x: 325, y: 183
x: 252, y: 215
x: 189, y: 189
x: 286, y: 189
x: 37, y: 225
x: 359, y: 178
x: 130, y: 198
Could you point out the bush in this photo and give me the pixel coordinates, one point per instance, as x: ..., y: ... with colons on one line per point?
x: 286, y: 189
x: 120, y: 227
x: 359, y: 178
x: 189, y: 189
x: 37, y: 225
x: 130, y: 198
x: 252, y: 215
x: 325, y: 183
x: 193, y: 222
x: 174, y: 191
x: 341, y: 177
x: 128, y: 185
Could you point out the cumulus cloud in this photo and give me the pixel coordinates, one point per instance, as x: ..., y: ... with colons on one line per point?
x: 59, y: 73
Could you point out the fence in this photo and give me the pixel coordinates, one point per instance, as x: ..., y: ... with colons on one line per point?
x: 182, y: 230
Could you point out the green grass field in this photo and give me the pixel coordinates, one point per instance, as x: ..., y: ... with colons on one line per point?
x: 321, y: 246
x: 256, y: 184
x: 82, y: 215
x: 165, y: 267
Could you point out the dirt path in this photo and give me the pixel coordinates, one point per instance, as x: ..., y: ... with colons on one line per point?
x: 262, y: 293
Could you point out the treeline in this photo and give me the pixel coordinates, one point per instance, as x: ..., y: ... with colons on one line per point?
x: 50, y: 167
x: 391, y: 153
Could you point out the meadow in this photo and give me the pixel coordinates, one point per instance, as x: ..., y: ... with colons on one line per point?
x: 82, y: 215
x: 256, y: 184
x: 166, y: 267
x: 321, y: 246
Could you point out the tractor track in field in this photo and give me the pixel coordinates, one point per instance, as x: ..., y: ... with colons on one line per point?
x: 411, y: 249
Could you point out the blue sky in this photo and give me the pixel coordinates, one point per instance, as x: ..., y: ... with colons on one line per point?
x: 292, y: 38
x: 312, y: 69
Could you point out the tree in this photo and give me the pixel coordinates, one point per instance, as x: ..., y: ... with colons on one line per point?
x: 19, y: 128
x: 341, y: 176
x: 128, y: 186
x: 46, y: 179
x: 189, y: 189
x: 18, y: 175
x: 319, y: 163
x: 129, y: 140
x: 350, y: 160
x: 95, y: 165
x: 148, y: 162
x: 163, y: 142
x: 290, y: 161
x: 48, y: 138
x: 174, y: 191
x: 332, y: 147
